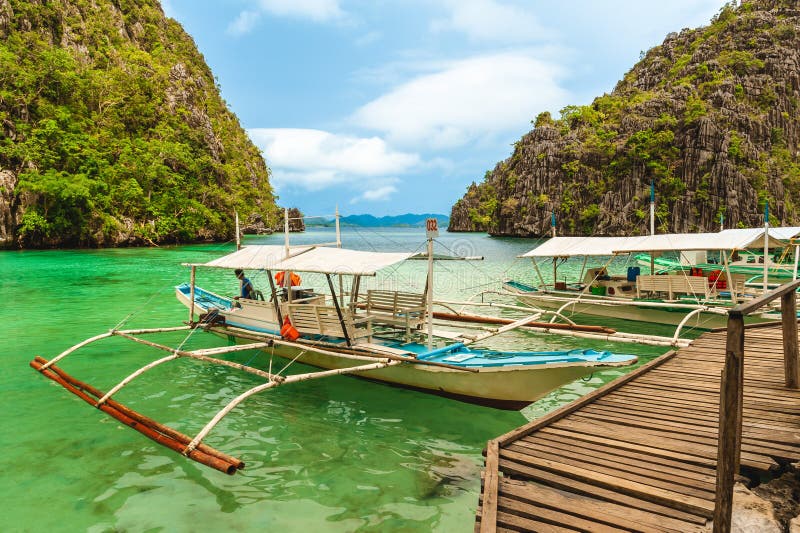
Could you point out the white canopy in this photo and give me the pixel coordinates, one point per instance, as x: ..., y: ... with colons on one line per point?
x: 578, y: 246
x: 341, y: 261
x: 724, y: 240
x: 783, y: 233
x: 254, y: 257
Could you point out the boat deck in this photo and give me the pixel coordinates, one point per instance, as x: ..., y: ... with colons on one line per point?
x: 640, y: 453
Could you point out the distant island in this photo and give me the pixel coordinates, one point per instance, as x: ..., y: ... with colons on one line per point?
x: 409, y: 220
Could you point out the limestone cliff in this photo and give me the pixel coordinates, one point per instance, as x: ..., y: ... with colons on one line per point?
x: 113, y: 131
x: 711, y: 116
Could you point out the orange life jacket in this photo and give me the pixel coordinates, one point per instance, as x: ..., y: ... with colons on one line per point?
x: 279, y: 277
x: 288, y: 331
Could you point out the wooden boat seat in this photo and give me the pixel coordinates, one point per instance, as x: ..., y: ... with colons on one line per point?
x: 405, y: 309
x: 672, y: 285
x: 312, y: 319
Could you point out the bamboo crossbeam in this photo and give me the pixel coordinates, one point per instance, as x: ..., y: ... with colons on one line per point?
x: 264, y: 386
x: 508, y: 327
x: 134, y: 375
x: 198, y: 354
x: 149, y: 428
x: 107, y: 334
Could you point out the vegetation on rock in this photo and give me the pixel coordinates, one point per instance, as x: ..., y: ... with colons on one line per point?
x: 113, y: 132
x: 711, y: 117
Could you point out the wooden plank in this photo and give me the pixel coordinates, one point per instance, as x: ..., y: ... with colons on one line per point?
x: 489, y: 508
x: 610, y: 513
x: 700, y: 435
x: 759, y: 419
x: 580, y: 487
x: 533, y: 510
x: 655, y: 494
x: 588, y: 398
x: 654, y: 436
x: 518, y: 523
x: 779, y: 439
x: 640, y: 472
x: 626, y: 455
x: 636, y: 441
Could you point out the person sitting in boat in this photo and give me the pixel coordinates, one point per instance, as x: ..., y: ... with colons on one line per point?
x: 247, y: 290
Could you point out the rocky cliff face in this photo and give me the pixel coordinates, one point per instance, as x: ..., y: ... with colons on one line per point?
x: 711, y: 117
x: 113, y: 132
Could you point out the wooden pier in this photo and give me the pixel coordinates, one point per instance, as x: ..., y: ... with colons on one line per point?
x: 642, y: 453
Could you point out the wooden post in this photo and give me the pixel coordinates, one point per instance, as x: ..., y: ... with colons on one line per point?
x: 191, y: 295
x: 789, y: 322
x: 730, y: 422
x: 338, y: 310
x: 490, y: 482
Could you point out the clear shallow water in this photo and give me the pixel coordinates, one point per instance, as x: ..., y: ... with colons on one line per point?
x: 337, y: 454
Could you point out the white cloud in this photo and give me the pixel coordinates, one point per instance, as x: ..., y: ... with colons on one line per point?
x: 492, y: 21
x: 314, y: 10
x: 317, y: 10
x: 380, y: 194
x: 466, y: 100
x: 316, y: 159
x: 244, y: 23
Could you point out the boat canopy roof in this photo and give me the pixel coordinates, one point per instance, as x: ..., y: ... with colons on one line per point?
x: 326, y: 260
x: 255, y: 257
x: 733, y: 240
x: 578, y: 246
x: 784, y: 233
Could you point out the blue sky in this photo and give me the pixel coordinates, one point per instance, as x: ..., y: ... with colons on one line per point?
x: 388, y: 106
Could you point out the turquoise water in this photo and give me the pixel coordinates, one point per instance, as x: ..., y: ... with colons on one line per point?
x: 337, y: 454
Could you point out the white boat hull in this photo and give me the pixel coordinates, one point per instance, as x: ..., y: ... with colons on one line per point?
x: 507, y: 387
x: 501, y: 387
x: 622, y: 308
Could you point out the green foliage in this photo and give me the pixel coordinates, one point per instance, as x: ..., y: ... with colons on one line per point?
x: 543, y: 119
x: 695, y: 109
x: 741, y: 62
x: 735, y: 147
x: 116, y: 136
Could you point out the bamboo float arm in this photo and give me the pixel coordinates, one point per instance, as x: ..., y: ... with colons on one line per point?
x: 507, y: 327
x: 68, y: 351
x: 200, y: 355
x: 264, y: 386
x: 134, y: 375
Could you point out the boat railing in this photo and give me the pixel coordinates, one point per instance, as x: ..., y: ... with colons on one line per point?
x: 729, y: 445
x: 327, y: 320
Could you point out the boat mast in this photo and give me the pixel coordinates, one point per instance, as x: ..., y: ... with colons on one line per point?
x: 652, y: 208
x: 553, y: 234
x: 287, y: 276
x: 652, y: 223
x: 766, y: 243
x: 339, y: 245
x: 432, y: 231
x: 238, y: 233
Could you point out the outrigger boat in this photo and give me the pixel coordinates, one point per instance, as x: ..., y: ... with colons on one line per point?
x: 780, y: 267
x: 695, y: 299
x: 379, y: 336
